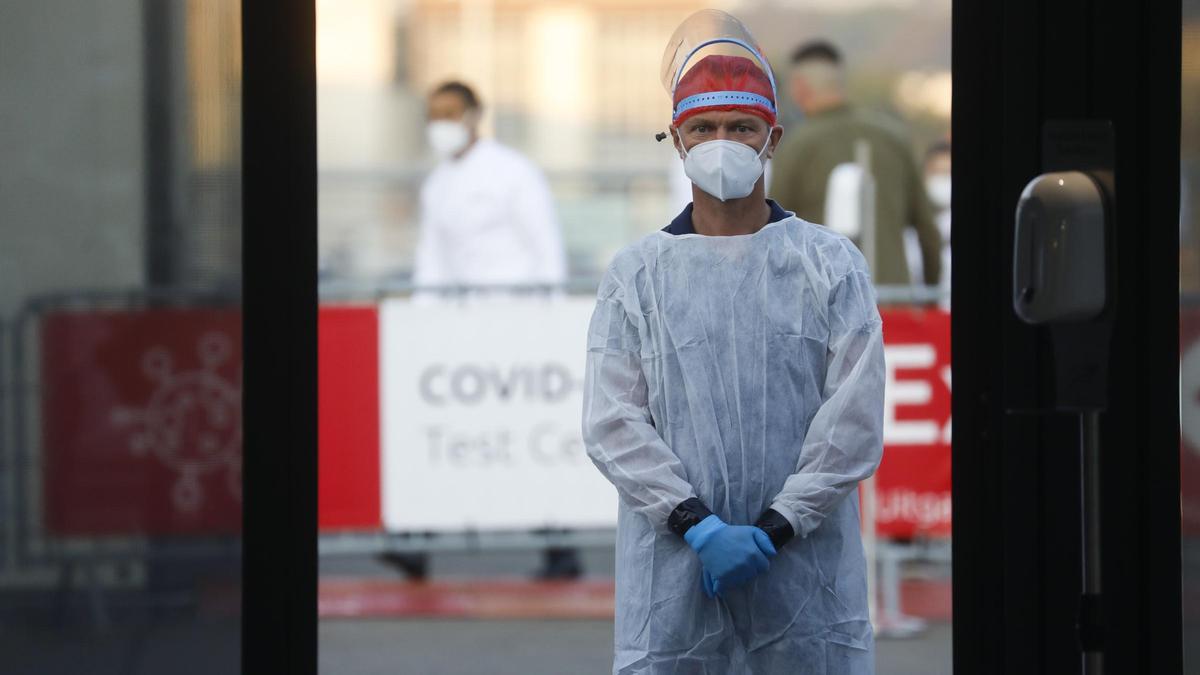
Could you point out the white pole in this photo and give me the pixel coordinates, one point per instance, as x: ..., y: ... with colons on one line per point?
x: 870, y: 548
x: 866, y: 203
x: 866, y: 220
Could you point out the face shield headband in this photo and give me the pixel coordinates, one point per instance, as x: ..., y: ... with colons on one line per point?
x: 723, y: 98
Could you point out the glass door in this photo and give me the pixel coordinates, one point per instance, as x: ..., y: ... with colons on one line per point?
x: 120, y: 337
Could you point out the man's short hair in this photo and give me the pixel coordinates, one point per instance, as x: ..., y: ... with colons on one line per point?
x: 819, y: 63
x: 463, y: 91
x: 817, y: 50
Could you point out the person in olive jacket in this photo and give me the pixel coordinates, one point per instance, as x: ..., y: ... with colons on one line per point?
x: 826, y: 139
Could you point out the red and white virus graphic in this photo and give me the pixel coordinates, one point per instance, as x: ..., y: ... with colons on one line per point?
x: 192, y: 422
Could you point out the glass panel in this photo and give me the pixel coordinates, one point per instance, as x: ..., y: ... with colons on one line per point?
x: 434, y: 418
x: 120, y: 337
x: 1189, y: 331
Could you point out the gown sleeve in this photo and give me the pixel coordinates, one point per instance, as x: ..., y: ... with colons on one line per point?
x: 845, y: 438
x: 618, y: 431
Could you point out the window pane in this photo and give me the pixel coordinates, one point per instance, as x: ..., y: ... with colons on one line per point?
x: 1189, y: 330
x: 120, y: 341
x: 450, y: 444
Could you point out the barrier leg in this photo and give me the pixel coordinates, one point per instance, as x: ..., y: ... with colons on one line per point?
x: 870, y: 548
x: 415, y: 566
x: 560, y: 562
x: 96, y: 603
x: 892, y: 622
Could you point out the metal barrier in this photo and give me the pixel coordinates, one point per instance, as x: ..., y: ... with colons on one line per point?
x: 33, y: 557
x: 887, y: 555
x: 408, y: 542
x: 341, y: 290
x: 25, y: 546
x: 334, y: 544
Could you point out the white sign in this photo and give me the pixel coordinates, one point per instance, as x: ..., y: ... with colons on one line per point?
x: 481, y: 402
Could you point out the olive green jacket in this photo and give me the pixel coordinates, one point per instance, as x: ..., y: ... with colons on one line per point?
x: 809, y: 153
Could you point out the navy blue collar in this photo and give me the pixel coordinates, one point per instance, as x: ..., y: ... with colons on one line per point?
x: 683, y: 222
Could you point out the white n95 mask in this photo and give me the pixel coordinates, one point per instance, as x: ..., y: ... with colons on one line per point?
x: 724, y: 169
x: 447, y: 138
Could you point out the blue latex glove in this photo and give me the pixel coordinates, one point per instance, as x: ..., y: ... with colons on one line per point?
x: 731, y: 554
x: 707, y: 583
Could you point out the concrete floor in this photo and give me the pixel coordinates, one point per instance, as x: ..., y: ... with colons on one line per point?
x: 523, y: 647
x: 446, y: 647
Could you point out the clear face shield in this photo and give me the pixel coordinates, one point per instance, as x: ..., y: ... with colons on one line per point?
x: 725, y: 169
x: 707, y: 32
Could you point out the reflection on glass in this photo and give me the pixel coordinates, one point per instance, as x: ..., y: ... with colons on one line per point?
x: 1189, y: 331
x: 120, y: 337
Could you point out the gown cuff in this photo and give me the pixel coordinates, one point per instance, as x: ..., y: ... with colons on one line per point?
x: 688, y: 514
x: 776, y: 526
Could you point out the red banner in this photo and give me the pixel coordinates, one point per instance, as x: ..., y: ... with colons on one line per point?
x: 141, y: 422
x: 348, y: 402
x: 913, y: 481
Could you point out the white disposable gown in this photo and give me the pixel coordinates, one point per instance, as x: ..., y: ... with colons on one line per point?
x: 747, y: 371
x: 488, y: 219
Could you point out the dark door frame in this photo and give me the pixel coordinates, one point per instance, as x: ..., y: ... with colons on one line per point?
x: 279, y: 267
x: 1017, y: 64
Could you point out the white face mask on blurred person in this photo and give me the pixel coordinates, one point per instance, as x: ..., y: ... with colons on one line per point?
x: 938, y: 187
x: 447, y: 138
x: 724, y: 169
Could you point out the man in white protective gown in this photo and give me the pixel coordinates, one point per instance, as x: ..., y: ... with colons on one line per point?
x: 734, y: 397
x: 487, y: 214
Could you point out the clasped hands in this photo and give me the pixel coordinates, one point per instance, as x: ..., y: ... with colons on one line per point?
x: 731, y: 555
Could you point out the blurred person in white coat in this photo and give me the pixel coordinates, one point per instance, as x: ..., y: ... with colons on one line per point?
x: 487, y: 220
x: 487, y: 214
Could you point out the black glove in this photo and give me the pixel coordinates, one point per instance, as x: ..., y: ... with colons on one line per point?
x: 689, y: 513
x: 776, y: 526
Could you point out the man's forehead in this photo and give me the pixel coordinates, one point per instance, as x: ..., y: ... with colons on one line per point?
x: 725, y: 117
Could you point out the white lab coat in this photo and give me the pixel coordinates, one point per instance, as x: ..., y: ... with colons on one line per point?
x: 488, y: 219
x: 912, y: 253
